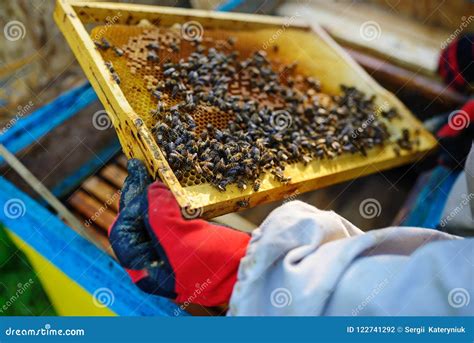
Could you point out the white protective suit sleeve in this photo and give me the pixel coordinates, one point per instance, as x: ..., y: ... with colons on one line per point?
x: 304, y: 261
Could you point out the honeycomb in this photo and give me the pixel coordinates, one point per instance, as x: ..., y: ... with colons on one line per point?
x: 138, y: 75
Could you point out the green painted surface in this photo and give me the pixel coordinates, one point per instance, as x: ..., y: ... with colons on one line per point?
x: 21, y: 293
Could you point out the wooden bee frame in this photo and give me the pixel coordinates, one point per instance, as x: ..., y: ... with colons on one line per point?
x: 322, y: 58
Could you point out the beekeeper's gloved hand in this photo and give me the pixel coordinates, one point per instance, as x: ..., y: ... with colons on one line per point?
x: 186, y: 260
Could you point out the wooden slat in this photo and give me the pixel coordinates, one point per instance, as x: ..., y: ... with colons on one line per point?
x: 235, y: 221
x: 114, y: 174
x: 393, y: 77
x: 107, y: 194
x: 407, y: 42
x: 93, y: 211
x: 122, y: 161
x: 447, y: 14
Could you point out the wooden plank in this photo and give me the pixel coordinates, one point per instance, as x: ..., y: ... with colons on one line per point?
x: 114, y: 175
x: 434, y: 92
x: 122, y: 161
x: 92, y: 210
x: 107, y: 194
x: 448, y: 14
x: 235, y: 221
x: 403, y: 41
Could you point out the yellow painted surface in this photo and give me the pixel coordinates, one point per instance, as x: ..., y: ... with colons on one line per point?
x: 67, y: 297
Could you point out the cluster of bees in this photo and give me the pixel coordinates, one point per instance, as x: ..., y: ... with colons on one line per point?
x: 292, y: 122
x: 278, y: 117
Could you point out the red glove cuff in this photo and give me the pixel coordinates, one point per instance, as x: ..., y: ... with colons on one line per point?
x: 204, y: 257
x: 458, y: 120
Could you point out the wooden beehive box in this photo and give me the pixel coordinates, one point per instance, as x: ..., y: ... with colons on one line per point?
x: 128, y: 104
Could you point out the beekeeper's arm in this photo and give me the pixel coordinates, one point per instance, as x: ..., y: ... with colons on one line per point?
x: 301, y: 261
x: 304, y: 261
